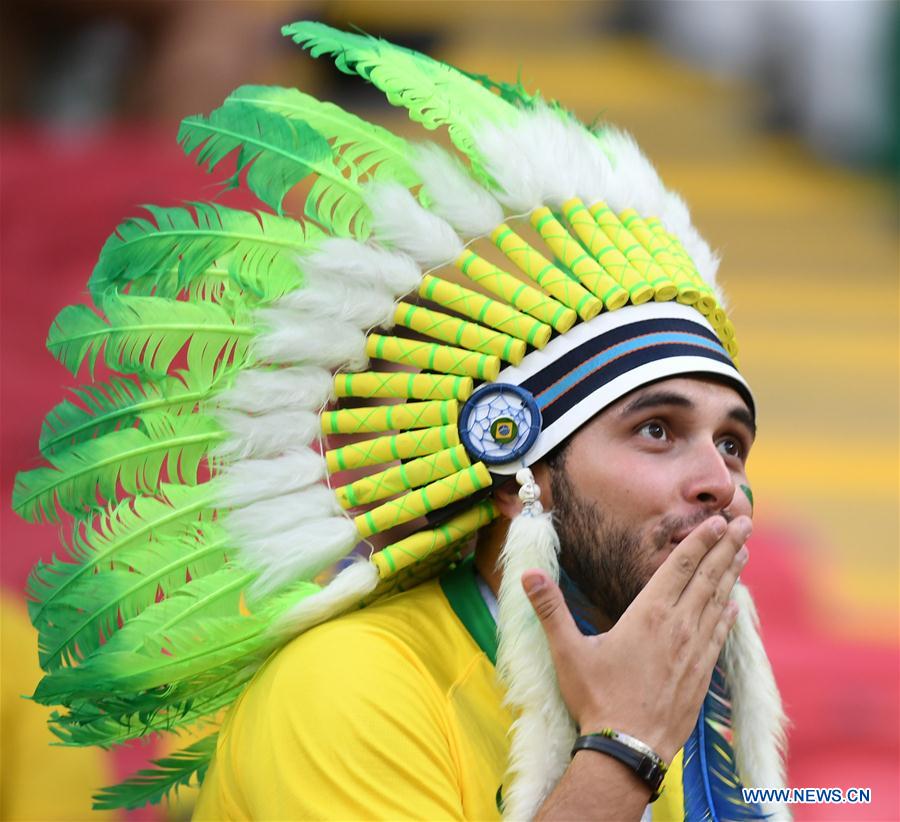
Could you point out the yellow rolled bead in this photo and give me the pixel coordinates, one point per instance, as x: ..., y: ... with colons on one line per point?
x: 659, y: 249
x: 717, y: 319
x: 392, y: 447
x: 418, y: 503
x: 554, y: 281
x: 412, y: 474
x: 638, y: 256
x: 573, y: 256
x: 515, y: 292
x: 419, y: 546
x: 605, y: 252
x: 459, y: 332
x: 403, y: 416
x: 403, y: 384
x: 485, y: 310
x: 433, y: 357
x: 707, y: 300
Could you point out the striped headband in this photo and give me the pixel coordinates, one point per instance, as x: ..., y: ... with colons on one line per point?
x: 532, y: 407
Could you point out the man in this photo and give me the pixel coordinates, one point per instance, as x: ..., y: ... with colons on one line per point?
x: 649, y: 488
x: 377, y: 374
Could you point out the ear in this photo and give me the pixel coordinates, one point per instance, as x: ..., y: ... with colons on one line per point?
x: 507, y: 495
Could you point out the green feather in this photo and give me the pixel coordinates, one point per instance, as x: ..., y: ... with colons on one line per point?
x: 174, y: 649
x: 258, y: 250
x: 362, y: 152
x: 279, y: 152
x: 87, y: 724
x: 91, y: 611
x: 132, y: 459
x: 99, y: 540
x: 433, y: 92
x: 117, y: 403
x: 198, y: 631
x: 514, y: 93
x: 145, y: 334
x: 168, y: 774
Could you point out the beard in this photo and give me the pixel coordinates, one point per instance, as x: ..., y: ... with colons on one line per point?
x: 603, y: 560
x: 610, y: 564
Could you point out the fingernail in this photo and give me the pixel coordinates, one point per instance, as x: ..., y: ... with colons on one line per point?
x: 533, y: 585
x: 719, y: 526
x: 744, y: 529
x: 743, y: 555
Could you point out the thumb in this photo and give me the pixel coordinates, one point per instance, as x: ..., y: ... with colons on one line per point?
x: 550, y: 607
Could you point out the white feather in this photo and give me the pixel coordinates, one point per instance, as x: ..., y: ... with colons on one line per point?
x: 343, y: 592
x: 362, y: 264
x: 545, y: 158
x: 543, y: 734
x: 757, y: 715
x: 260, y: 390
x: 298, y: 553
x: 249, y: 480
x: 455, y: 195
x: 400, y: 222
x: 341, y: 300
x: 636, y: 184
x: 295, y: 338
x: 270, y: 517
x: 265, y: 435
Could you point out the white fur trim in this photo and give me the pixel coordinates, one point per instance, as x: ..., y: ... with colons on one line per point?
x: 260, y: 390
x: 400, y: 222
x: 543, y: 735
x: 548, y: 157
x: 544, y: 158
x: 265, y: 435
x: 455, y: 195
x: 295, y: 338
x: 341, y: 300
x: 636, y: 184
x: 342, y: 593
x: 365, y: 265
x: 248, y: 481
x: 270, y: 517
x: 757, y: 715
x: 298, y: 553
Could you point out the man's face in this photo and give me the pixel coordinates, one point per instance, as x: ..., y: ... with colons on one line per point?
x: 640, y: 476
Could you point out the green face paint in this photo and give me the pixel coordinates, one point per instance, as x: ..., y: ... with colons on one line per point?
x: 748, y: 492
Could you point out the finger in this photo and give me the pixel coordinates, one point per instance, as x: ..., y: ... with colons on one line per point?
x: 671, y: 578
x: 550, y: 607
x: 720, y: 633
x: 713, y: 610
x: 704, y: 584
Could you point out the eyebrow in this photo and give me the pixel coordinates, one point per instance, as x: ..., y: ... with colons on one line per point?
x: 655, y: 399
x: 743, y: 417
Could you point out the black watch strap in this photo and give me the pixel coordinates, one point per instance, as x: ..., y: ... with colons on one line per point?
x: 648, y: 767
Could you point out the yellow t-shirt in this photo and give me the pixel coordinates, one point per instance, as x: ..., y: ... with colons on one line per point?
x: 392, y: 712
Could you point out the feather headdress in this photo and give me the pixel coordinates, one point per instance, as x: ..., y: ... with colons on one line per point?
x: 287, y: 390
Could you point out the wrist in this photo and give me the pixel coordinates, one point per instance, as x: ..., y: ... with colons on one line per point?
x: 653, y: 739
x: 635, y: 754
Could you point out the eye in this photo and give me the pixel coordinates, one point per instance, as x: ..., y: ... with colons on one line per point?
x: 654, y: 430
x: 731, y: 447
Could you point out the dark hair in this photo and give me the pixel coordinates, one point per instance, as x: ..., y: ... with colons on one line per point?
x: 555, y: 459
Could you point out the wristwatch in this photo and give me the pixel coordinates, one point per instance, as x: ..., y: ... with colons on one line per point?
x: 642, y: 759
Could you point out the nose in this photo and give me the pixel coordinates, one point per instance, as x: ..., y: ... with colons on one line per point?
x: 709, y: 480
